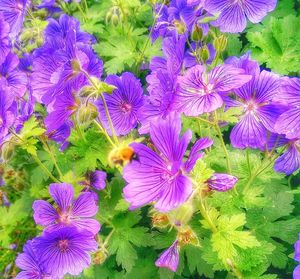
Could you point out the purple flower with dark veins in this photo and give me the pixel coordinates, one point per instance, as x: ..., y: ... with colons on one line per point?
x: 200, y: 92
x: 258, y: 111
x: 14, y: 12
x: 233, y: 14
x: 288, y: 123
x: 123, y: 104
x: 65, y: 251
x: 29, y: 263
x: 97, y: 179
x: 169, y: 258
x: 162, y: 176
x: 12, y: 77
x: 68, y: 212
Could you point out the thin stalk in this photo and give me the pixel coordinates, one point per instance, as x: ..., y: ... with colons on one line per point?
x: 104, y: 132
x: 81, y: 11
x: 44, y: 168
x: 219, y: 132
x: 114, y: 135
x: 140, y: 58
x: 78, y: 129
x: 52, y: 157
x: 108, y: 237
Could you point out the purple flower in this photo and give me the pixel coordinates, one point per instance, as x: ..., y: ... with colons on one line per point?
x: 169, y: 258
x: 200, y: 92
x: 233, y: 14
x: 12, y: 77
x: 14, y: 12
x: 221, y: 182
x: 65, y: 251
x: 289, y: 122
x: 68, y: 212
x: 7, y: 111
x: 259, y: 112
x: 296, y: 273
x: 61, y: 135
x: 4, y: 40
x: 29, y: 263
x: 162, y: 176
x: 64, y: 106
x: 97, y: 179
x: 123, y: 104
x: 289, y: 161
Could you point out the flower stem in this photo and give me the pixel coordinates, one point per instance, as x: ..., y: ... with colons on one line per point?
x: 44, y: 168
x: 220, y: 135
x: 102, y: 130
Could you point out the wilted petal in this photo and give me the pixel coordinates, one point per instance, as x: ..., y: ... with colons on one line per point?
x: 169, y: 258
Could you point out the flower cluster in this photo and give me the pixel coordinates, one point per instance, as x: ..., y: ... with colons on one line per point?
x: 68, y: 237
x: 64, y: 78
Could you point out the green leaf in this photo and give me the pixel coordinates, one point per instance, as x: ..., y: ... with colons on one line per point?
x: 274, y: 44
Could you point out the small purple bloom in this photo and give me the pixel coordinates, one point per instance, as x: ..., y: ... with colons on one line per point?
x: 65, y: 251
x: 14, y: 12
x: 259, y: 112
x: 296, y: 273
x: 200, y: 92
x: 68, y: 212
x: 162, y: 176
x: 289, y: 122
x: 64, y: 106
x: 29, y: 263
x: 221, y: 182
x: 12, y: 77
x: 233, y: 14
x: 97, y: 179
x: 169, y: 258
x: 123, y: 104
x: 61, y: 135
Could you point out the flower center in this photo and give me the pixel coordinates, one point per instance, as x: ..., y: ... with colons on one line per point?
x: 251, y: 107
x: 63, y: 245
x: 125, y: 107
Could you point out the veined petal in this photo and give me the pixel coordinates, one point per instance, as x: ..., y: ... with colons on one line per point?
x: 174, y: 194
x: 288, y: 123
x: 249, y: 132
x: 44, y: 213
x: 288, y: 162
x: 267, y: 86
x: 269, y: 114
x: 85, y: 205
x: 256, y: 10
x: 63, y: 194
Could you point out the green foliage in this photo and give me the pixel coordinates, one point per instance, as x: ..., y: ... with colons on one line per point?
x: 273, y: 43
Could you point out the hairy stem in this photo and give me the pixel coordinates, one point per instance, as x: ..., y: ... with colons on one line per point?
x: 44, y: 168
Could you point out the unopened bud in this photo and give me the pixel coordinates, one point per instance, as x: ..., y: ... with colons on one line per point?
x: 87, y: 113
x: 197, y: 34
x: 187, y: 236
x: 221, y: 182
x: 76, y: 67
x: 99, y: 257
x: 220, y: 43
x: 86, y: 91
x: 204, y: 53
x: 160, y: 220
x: 7, y: 151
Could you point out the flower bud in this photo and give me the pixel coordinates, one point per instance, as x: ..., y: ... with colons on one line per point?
x: 100, y: 256
x: 87, y: 113
x: 160, y: 220
x: 7, y: 151
x: 221, y: 182
x: 204, y: 53
x: 76, y: 67
x: 187, y: 236
x: 197, y: 34
x: 220, y: 43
